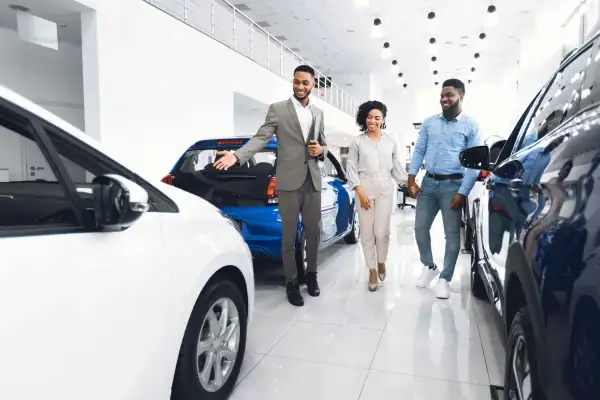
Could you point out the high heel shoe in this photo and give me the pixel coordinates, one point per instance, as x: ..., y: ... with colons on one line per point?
x: 380, y: 274
x: 373, y: 286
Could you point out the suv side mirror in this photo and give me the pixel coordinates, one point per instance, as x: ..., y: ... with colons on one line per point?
x: 118, y: 202
x: 476, y: 158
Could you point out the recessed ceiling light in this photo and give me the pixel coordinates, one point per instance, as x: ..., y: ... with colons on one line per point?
x: 18, y: 7
x: 436, y: 83
x: 435, y: 72
x: 433, y: 59
x: 477, y: 55
x: 395, y: 68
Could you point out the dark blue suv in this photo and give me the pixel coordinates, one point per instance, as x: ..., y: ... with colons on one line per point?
x: 536, y: 236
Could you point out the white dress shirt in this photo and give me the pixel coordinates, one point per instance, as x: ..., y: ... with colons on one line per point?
x: 305, y: 116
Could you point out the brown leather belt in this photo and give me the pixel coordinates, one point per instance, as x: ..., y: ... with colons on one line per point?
x: 439, y: 177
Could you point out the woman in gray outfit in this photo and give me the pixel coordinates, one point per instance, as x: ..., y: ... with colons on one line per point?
x: 372, y: 163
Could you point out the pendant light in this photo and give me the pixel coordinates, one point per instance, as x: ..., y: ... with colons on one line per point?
x: 491, y: 19
x: 377, y: 32
x: 387, y: 52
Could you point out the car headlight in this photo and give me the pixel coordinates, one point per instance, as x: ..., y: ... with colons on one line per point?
x: 231, y: 221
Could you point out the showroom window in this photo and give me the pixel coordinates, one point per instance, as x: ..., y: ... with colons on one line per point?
x: 30, y: 194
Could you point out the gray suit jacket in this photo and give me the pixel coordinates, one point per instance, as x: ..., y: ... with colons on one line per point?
x: 293, y: 160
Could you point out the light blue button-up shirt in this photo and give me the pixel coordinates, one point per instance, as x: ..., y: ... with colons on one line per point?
x: 439, y: 144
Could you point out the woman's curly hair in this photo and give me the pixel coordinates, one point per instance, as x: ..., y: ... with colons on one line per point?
x: 364, y: 110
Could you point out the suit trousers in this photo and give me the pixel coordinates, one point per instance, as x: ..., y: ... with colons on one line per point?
x: 305, y: 201
x: 375, y: 222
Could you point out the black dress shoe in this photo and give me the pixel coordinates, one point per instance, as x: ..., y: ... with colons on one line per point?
x: 293, y: 294
x: 312, y: 285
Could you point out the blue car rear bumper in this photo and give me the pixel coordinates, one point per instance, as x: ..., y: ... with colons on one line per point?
x: 261, y: 229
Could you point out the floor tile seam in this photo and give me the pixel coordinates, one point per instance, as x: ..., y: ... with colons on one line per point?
x: 430, y: 377
x: 364, y: 369
x: 282, y: 337
x: 379, y: 343
x: 460, y: 340
x: 262, y: 357
x: 340, y: 325
x: 485, y: 358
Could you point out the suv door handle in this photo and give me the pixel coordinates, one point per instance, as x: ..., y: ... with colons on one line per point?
x: 516, y: 184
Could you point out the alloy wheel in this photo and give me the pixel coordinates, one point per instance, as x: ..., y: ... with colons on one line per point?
x: 521, y: 372
x: 218, y: 344
x: 356, y: 226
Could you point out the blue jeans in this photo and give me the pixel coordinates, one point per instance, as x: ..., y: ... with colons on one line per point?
x: 436, y: 196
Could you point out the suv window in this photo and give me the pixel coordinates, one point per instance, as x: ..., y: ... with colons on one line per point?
x: 30, y: 193
x: 560, y: 100
x: 83, y: 163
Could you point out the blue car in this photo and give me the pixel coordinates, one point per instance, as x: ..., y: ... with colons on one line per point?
x: 247, y: 195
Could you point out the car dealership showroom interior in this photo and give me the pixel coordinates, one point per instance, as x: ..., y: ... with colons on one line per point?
x: 310, y: 199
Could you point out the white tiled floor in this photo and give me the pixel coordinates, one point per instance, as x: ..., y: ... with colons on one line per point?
x: 353, y: 344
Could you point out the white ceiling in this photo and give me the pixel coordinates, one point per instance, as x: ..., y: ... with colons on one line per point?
x: 335, y: 37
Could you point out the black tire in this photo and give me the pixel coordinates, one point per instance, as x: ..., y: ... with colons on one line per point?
x: 186, y: 383
x: 301, y: 259
x: 477, y: 286
x: 584, y: 354
x: 521, y: 339
x: 354, y: 236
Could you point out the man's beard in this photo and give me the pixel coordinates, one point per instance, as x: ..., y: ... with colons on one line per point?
x: 305, y: 97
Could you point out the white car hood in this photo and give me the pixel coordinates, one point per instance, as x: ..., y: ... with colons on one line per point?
x: 186, y: 202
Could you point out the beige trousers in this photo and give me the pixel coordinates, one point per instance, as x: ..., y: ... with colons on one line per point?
x: 375, y: 222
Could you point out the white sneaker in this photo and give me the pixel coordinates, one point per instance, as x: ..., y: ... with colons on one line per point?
x: 427, y: 276
x: 442, y: 289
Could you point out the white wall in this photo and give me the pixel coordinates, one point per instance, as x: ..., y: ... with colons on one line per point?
x: 52, y: 79
x: 163, y: 85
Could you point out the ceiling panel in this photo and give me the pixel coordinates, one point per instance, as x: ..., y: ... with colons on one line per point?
x: 336, y: 36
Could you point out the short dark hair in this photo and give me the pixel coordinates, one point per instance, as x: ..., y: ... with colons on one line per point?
x: 363, y: 111
x: 456, y: 84
x: 305, y: 68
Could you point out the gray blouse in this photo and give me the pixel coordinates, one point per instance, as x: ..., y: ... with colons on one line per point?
x: 365, y: 155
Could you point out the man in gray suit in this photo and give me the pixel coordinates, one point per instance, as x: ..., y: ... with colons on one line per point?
x: 299, y: 128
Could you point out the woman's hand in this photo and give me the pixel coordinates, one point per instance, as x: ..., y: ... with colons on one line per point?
x: 365, y: 203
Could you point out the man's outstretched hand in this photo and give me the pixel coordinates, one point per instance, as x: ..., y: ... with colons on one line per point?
x: 457, y: 201
x: 227, y: 160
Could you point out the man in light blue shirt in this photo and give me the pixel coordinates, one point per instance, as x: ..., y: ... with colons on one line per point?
x: 446, y: 183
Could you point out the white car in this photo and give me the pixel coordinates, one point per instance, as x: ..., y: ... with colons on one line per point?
x: 111, y: 287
